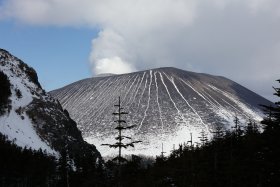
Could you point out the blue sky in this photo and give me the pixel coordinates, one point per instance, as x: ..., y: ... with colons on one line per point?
x: 68, y: 40
x: 58, y: 54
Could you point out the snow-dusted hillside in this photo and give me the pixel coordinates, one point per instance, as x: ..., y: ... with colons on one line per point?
x: 15, y: 123
x: 166, y: 104
x: 30, y: 116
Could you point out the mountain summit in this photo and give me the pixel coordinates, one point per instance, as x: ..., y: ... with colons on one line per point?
x: 166, y: 104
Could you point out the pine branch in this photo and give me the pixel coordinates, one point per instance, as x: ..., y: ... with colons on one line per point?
x: 137, y: 141
x: 120, y: 128
x: 130, y: 127
x: 116, y: 145
x: 121, y: 113
x: 122, y: 137
x: 124, y: 128
x: 131, y: 144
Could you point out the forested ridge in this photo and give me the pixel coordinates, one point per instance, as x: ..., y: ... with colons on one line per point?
x: 26, y: 167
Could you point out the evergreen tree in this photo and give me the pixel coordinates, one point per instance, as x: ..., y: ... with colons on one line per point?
x: 272, y: 120
x: 64, y: 167
x: 120, y: 127
x: 237, y: 130
x: 271, y: 142
x: 203, y: 138
x: 218, y: 134
x: 251, y: 128
x: 25, y: 167
x: 120, y: 144
x: 5, y: 92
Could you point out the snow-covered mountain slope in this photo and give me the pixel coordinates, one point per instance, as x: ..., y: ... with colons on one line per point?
x: 166, y: 104
x: 31, y: 117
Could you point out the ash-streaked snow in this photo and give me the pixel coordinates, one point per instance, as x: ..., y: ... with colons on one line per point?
x: 166, y: 104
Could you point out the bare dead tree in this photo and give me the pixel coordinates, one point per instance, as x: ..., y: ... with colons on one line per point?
x: 162, y: 152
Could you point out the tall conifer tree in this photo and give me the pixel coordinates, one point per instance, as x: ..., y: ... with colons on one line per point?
x: 121, y: 126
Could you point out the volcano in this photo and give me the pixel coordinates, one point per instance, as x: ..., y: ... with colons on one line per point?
x: 167, y: 105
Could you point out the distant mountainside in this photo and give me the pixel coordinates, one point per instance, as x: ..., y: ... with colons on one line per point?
x: 166, y: 104
x: 31, y: 117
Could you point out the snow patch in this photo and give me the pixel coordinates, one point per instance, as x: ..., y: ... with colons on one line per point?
x: 19, y: 129
x: 151, y: 145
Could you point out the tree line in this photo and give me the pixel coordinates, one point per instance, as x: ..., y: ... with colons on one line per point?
x: 247, y: 155
x: 244, y: 156
x: 25, y: 167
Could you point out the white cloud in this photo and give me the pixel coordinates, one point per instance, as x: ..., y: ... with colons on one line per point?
x: 110, y: 13
x: 112, y: 65
x: 109, y: 48
x: 238, y: 39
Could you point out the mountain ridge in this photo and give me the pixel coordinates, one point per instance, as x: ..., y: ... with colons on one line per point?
x: 32, y: 118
